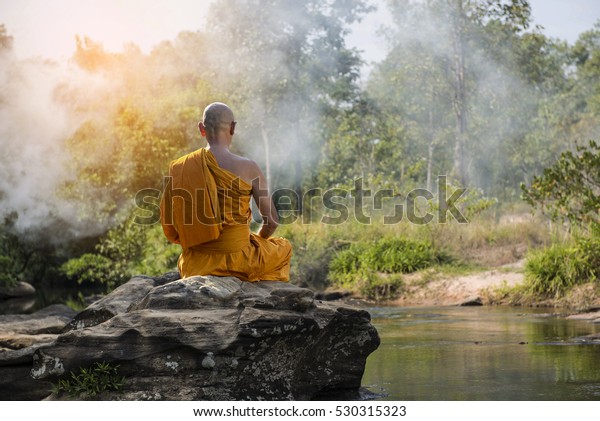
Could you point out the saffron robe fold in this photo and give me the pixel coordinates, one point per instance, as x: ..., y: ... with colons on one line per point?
x: 206, y: 209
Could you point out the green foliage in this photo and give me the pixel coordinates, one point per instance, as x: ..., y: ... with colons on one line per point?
x: 312, y: 252
x: 378, y: 287
x: 523, y: 96
x: 374, y: 268
x: 23, y: 258
x: 368, y: 143
x: 90, y: 267
x: 589, y: 246
x: 388, y: 255
x: 470, y: 202
x: 126, y: 250
x: 369, y: 284
x: 447, y: 80
x: 554, y: 270
x: 92, y: 381
x: 7, y: 274
x: 78, y: 303
x: 11, y: 256
x: 349, y: 260
x: 586, y: 56
x: 570, y: 189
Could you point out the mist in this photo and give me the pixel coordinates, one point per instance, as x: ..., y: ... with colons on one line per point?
x: 291, y: 66
x: 34, y: 124
x: 295, y: 86
x: 501, y: 100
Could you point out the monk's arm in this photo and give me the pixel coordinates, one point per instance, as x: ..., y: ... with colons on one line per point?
x: 171, y: 234
x: 266, y: 207
x: 166, y: 216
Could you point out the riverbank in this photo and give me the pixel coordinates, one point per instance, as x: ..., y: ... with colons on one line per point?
x: 494, y: 286
x: 444, y: 290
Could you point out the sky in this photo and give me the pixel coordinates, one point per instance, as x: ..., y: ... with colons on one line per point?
x: 48, y: 28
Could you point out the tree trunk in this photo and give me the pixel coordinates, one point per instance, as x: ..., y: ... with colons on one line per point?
x: 460, y: 94
x: 265, y: 138
x: 298, y: 182
x: 430, y: 148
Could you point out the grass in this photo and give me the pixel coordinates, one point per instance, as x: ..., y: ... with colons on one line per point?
x: 566, y: 273
x: 353, y: 255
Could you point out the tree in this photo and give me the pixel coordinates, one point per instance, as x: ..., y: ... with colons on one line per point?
x: 567, y: 81
x: 570, y: 189
x: 6, y: 41
x: 413, y: 87
x: 90, y: 55
x: 454, y: 44
x: 586, y: 55
x: 287, y: 66
x: 365, y: 145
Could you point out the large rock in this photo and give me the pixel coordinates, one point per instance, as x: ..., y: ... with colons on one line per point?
x: 18, y: 289
x: 119, y: 300
x: 216, y: 339
x: 20, y: 336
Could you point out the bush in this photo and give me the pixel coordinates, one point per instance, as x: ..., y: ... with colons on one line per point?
x: 91, y: 268
x: 349, y: 260
x: 373, y: 269
x: 8, y: 277
x: 388, y: 255
x: 379, y: 287
x: 126, y: 250
x: 589, y: 247
x: 554, y: 270
x: 392, y: 255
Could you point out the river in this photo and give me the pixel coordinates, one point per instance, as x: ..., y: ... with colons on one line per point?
x: 482, y: 353
x: 466, y: 353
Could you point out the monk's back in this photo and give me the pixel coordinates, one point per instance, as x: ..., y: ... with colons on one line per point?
x: 240, y: 166
x: 221, y: 184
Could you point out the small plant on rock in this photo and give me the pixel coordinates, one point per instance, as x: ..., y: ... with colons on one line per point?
x: 90, y: 382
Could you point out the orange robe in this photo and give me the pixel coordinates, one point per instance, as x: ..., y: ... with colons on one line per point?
x: 206, y: 209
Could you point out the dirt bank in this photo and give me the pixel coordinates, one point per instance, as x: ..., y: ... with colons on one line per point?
x: 491, y: 287
x: 455, y: 290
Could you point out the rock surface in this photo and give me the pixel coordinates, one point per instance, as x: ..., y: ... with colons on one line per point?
x: 592, y: 315
x: 20, y: 336
x: 19, y: 289
x: 209, y: 338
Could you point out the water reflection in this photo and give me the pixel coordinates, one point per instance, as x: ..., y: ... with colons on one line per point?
x: 482, y: 353
x: 43, y: 297
x: 18, y: 305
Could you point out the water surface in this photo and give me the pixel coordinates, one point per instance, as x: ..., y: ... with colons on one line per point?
x: 482, y: 353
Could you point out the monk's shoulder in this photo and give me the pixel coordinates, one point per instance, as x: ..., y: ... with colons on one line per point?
x: 183, y: 158
x: 176, y: 165
x: 247, y: 166
x: 179, y: 162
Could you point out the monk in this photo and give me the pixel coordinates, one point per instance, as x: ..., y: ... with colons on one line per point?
x: 206, y: 209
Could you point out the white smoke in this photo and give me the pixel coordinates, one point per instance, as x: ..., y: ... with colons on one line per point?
x: 34, y: 125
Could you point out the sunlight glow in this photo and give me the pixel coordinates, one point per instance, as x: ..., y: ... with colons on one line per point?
x: 48, y: 28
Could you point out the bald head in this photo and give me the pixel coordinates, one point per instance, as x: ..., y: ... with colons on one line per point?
x: 217, y: 117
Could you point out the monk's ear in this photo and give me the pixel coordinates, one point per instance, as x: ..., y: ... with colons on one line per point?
x: 202, y: 128
x: 232, y: 128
